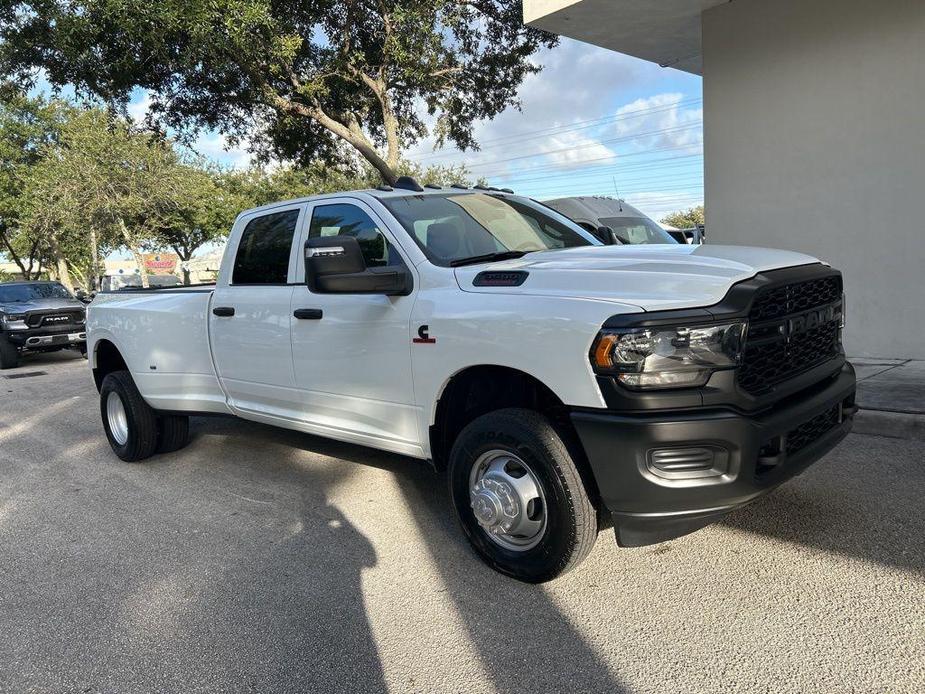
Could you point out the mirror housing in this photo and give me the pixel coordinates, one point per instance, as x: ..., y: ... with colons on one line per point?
x: 335, y: 265
x: 606, y: 235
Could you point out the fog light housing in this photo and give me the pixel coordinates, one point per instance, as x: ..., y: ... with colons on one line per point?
x: 688, y: 462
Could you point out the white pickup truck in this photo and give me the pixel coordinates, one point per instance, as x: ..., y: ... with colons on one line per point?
x: 565, y: 386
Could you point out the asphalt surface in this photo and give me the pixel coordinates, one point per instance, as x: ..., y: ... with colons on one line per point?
x: 260, y: 560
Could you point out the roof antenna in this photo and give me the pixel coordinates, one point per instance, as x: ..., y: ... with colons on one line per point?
x: 617, y: 191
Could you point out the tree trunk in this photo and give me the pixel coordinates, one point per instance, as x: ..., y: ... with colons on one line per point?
x: 61, y: 269
x: 352, y: 136
x: 136, y: 254
x: 185, y: 255
x: 14, y: 256
x: 95, y: 253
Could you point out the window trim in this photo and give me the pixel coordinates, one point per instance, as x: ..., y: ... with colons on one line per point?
x: 243, y: 222
x: 384, y: 226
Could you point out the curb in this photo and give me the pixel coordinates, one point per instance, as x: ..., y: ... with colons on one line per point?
x: 896, y: 425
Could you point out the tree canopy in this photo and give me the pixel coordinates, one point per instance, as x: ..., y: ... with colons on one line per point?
x: 685, y: 219
x: 28, y: 128
x: 79, y: 183
x: 297, y: 80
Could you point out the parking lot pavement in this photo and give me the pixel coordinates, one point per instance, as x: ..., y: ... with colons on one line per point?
x: 263, y: 560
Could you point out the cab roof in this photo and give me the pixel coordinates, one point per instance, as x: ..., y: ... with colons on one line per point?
x: 385, y: 192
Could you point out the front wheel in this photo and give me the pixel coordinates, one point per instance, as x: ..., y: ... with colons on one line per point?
x: 9, y: 355
x: 129, y: 421
x: 519, y: 497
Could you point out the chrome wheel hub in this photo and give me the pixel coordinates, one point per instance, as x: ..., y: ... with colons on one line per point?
x: 118, y: 420
x: 507, y: 500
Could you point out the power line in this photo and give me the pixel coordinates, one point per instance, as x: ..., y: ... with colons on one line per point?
x: 559, y: 167
x: 626, y: 192
x: 630, y: 172
x: 626, y: 138
x: 567, y: 128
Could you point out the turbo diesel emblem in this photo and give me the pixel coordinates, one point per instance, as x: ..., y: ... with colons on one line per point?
x: 423, y: 338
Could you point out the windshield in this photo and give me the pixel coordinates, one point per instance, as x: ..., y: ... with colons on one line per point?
x: 455, y: 227
x: 637, y: 230
x: 13, y: 293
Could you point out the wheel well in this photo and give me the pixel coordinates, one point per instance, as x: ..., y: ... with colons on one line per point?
x: 482, y: 389
x: 106, y: 360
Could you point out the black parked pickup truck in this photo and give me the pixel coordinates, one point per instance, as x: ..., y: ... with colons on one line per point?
x: 39, y: 317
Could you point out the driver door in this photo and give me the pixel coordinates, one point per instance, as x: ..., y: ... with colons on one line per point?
x: 351, y: 353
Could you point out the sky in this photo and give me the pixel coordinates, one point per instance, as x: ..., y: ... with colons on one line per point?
x: 592, y: 122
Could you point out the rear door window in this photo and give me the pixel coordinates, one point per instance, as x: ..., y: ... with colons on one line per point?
x: 264, y: 249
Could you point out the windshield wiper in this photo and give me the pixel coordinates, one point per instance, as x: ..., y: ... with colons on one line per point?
x: 488, y: 258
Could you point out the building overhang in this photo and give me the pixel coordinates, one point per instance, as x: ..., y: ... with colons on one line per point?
x: 666, y: 32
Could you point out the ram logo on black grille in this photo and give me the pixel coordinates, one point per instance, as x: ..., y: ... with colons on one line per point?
x: 792, y: 328
x: 808, y: 321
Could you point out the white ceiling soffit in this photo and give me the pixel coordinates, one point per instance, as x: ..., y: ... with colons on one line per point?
x: 666, y: 32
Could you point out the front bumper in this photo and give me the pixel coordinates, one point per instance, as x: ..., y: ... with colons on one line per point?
x: 665, y: 475
x: 31, y: 340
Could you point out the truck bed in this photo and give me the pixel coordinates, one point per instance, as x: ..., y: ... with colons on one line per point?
x: 163, y: 335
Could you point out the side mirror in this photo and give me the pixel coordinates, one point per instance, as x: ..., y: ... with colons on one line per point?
x: 606, y: 235
x: 335, y: 265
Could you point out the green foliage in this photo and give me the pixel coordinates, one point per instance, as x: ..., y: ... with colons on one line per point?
x: 685, y: 219
x: 28, y: 128
x: 106, y: 180
x: 77, y: 184
x: 297, y: 79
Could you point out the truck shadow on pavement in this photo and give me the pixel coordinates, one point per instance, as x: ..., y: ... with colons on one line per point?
x: 851, y: 505
x: 523, y: 641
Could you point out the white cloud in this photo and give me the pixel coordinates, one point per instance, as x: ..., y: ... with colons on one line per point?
x: 572, y: 149
x: 215, y: 146
x: 137, y: 110
x: 661, y: 121
x: 577, y: 83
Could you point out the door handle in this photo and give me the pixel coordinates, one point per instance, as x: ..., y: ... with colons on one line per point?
x: 308, y: 313
x: 223, y: 311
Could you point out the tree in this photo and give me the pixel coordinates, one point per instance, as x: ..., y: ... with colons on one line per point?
x: 685, y: 219
x: 103, y: 184
x: 298, y: 80
x: 207, y: 205
x: 29, y: 127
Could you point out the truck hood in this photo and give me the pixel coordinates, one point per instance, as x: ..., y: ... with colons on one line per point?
x: 40, y: 305
x: 654, y: 277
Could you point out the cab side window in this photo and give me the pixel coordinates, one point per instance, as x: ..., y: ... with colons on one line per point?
x: 349, y: 220
x: 263, y: 252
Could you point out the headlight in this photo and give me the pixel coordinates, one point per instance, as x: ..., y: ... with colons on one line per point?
x: 667, y: 357
x: 14, y: 321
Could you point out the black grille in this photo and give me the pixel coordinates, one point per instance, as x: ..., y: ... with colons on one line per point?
x: 783, y: 339
x: 806, y: 433
x: 54, y: 319
x: 794, y: 298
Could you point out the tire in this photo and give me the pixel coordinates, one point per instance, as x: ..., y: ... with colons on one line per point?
x: 82, y: 349
x: 9, y: 356
x: 138, y: 439
x: 523, y: 442
x: 172, y: 433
